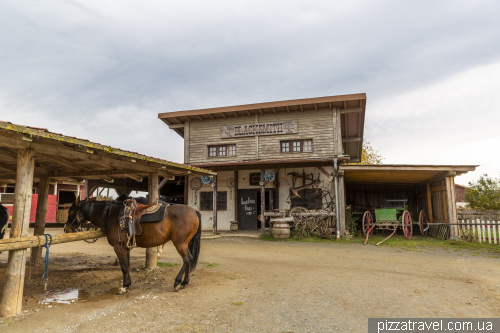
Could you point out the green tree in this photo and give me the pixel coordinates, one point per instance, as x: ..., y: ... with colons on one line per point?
x: 483, y: 194
x: 370, y: 155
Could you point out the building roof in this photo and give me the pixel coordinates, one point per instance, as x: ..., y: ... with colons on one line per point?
x: 352, y: 108
x: 401, y: 173
x: 62, y: 157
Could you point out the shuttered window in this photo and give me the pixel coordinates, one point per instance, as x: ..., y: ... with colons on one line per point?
x: 297, y: 146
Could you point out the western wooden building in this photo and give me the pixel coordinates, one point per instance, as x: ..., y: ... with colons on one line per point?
x: 296, y: 153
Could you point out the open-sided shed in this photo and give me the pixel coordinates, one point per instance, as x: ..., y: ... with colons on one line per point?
x: 426, y: 187
x: 28, y: 154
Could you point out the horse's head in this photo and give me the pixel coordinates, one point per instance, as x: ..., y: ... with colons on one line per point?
x: 75, y: 217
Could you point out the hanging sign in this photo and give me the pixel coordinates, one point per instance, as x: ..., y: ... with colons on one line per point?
x: 280, y: 127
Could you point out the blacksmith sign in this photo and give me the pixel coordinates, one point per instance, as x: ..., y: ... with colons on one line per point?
x: 280, y: 127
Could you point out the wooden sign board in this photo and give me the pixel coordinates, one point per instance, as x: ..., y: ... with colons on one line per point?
x: 280, y: 127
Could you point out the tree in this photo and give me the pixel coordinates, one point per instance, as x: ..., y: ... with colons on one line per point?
x: 483, y: 194
x: 370, y: 155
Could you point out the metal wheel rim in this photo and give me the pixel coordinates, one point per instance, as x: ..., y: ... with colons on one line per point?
x: 367, y: 222
x: 407, y: 224
x: 422, y: 219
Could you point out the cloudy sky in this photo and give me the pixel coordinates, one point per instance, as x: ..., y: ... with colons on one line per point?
x: 103, y: 70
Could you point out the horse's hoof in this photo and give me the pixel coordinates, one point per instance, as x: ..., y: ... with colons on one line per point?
x: 122, y: 291
x: 178, y: 287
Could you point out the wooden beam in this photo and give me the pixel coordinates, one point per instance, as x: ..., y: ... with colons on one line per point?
x: 166, y: 174
x: 429, y: 203
x: 199, y: 117
x: 236, y: 197
x: 236, y: 115
x: 177, y: 120
x: 287, y: 109
x: 351, y: 110
x: 262, y: 202
x: 223, y: 115
x: 162, y: 183
x: 38, y: 241
x: 137, y: 178
x: 176, y: 126
x: 437, y: 178
x: 248, y: 113
x: 315, y: 106
x: 211, y: 117
x: 330, y: 105
x: 274, y: 110
x: 351, y: 139
x: 41, y: 212
x: 187, y: 118
x: 301, y: 108
x: 260, y: 110
x: 12, y: 299
x: 151, y: 252
x: 214, y: 203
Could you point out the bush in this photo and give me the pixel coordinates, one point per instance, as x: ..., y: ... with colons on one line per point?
x: 483, y: 194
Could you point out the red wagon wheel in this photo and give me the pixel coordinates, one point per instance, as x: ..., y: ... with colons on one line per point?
x: 367, y: 223
x: 407, y: 224
x: 423, y: 223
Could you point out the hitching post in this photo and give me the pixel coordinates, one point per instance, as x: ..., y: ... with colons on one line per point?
x: 151, y: 252
x: 12, y: 299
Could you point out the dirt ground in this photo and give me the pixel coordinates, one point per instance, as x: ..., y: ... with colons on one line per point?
x: 250, y: 285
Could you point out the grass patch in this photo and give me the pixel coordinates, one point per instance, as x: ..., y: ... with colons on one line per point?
x: 237, y: 303
x: 417, y: 243
x: 167, y: 264
x: 209, y: 264
x: 316, y: 239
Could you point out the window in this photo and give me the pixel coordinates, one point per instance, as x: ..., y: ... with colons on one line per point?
x: 309, y: 198
x: 207, y: 200
x: 297, y: 146
x: 222, y: 151
x: 255, y: 179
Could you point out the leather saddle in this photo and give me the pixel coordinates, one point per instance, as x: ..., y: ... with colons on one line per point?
x: 144, y: 210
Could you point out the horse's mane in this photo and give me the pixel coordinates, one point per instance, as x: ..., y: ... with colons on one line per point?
x: 87, y: 207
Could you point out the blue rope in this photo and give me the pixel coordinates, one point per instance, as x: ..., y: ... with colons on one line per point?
x: 46, y: 271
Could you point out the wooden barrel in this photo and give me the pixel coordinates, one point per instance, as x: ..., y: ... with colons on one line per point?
x: 234, y: 225
x: 281, y: 230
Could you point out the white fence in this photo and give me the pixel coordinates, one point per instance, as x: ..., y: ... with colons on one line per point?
x: 479, y: 225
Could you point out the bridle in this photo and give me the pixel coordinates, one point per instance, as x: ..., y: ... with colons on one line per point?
x: 78, y: 218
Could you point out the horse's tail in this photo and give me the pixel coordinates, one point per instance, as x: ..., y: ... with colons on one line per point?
x: 194, y: 244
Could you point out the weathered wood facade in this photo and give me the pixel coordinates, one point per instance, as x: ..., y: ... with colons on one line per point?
x: 253, y: 140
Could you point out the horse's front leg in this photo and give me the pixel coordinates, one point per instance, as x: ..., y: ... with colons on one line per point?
x: 124, y: 256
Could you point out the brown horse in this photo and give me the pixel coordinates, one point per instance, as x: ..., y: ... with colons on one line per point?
x: 181, y: 224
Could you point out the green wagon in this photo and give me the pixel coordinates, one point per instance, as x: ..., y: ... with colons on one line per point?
x: 391, y: 216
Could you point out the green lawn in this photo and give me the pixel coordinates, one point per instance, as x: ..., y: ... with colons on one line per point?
x: 417, y: 243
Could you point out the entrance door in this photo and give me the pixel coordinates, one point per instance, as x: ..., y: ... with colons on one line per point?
x: 247, y: 209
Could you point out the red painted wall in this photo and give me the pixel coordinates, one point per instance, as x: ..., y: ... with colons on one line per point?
x: 51, y: 209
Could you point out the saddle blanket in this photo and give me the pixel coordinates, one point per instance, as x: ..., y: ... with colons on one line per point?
x: 155, y: 217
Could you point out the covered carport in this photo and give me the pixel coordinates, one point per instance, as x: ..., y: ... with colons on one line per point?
x: 426, y: 187
x: 29, y: 154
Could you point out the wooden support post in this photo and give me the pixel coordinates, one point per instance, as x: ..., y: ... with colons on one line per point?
x: 277, y: 197
x: 151, y: 252
x: 186, y: 141
x: 452, y: 206
x: 341, y: 219
x: 214, y: 205
x: 12, y: 299
x: 429, y: 204
x: 262, y: 201
x: 41, y: 212
x: 87, y: 189
x: 236, y: 197
x: 186, y: 189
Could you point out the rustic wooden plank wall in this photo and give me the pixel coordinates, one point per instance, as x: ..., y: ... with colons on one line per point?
x: 363, y: 197
x: 312, y: 125
x: 439, y: 206
x: 204, y: 133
